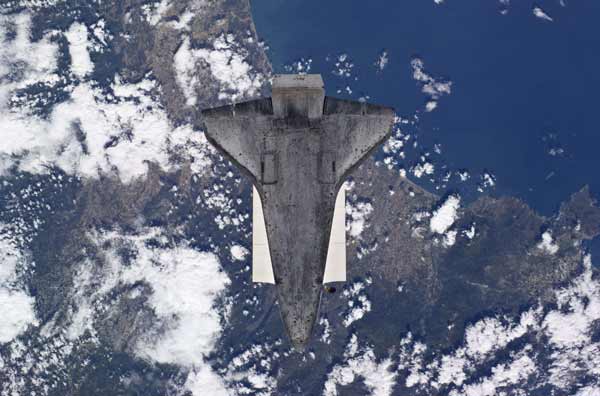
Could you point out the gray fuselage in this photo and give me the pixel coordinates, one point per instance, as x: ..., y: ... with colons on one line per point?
x: 298, y: 147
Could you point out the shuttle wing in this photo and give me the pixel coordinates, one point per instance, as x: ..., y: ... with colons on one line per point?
x: 361, y: 126
x: 237, y: 131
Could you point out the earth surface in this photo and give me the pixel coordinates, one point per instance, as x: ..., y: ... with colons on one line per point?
x: 125, y: 238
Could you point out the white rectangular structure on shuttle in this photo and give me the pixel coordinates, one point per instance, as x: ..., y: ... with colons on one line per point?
x: 335, y: 267
x: 262, y: 268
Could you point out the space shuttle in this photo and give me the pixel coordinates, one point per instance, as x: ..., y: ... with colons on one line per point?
x: 297, y: 147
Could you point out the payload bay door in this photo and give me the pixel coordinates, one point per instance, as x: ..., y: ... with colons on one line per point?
x: 335, y: 266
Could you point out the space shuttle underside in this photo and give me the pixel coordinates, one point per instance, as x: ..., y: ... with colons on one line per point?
x: 297, y: 148
x: 335, y: 264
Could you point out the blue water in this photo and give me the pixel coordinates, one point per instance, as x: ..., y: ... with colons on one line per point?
x: 521, y: 85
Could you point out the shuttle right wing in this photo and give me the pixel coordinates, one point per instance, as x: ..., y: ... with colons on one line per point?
x: 237, y: 131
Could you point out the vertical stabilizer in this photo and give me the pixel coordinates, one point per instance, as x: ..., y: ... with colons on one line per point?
x: 298, y: 95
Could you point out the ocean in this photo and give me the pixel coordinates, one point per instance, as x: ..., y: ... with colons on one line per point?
x: 523, y: 101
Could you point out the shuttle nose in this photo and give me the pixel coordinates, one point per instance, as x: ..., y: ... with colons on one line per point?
x: 299, y: 332
x: 299, y: 316
x: 300, y: 340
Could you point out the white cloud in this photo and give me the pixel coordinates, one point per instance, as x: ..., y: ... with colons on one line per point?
x: 33, y: 62
x: 450, y: 238
x: 452, y: 368
x: 229, y: 210
x: 470, y: 233
x: 16, y: 309
x: 445, y: 216
x: 423, y: 168
x: 116, y: 137
x: 185, y: 68
x: 569, y: 330
x: 488, y: 180
x: 155, y: 11
x: 433, y: 87
x: 503, y: 375
x: 204, y: 381
x: 238, y: 252
x: 590, y: 390
x: 184, y: 21
x: 463, y: 175
x: 431, y: 105
x: 185, y: 287
x: 253, y: 371
x: 358, y: 302
x: 101, y: 36
x: 325, y: 337
x: 539, y: 13
x: 227, y: 63
x: 547, y: 244
x: 377, y: 376
x: 301, y: 66
x: 382, y: 61
x: 16, y: 305
x: 81, y: 63
x: 185, y: 284
x: 35, y: 362
x: 504, y: 5
x: 91, y: 133
x: 357, y: 214
x: 564, y: 348
x: 343, y: 66
x: 393, y: 148
x: 490, y: 334
x: 38, y: 59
